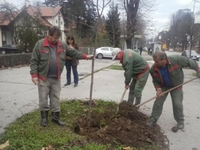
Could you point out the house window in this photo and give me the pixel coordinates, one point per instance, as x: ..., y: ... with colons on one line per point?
x: 4, y: 36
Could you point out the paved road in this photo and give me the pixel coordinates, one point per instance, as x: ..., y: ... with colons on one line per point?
x: 19, y: 96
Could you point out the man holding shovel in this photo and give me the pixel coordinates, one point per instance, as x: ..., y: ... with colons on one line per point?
x: 136, y: 72
x: 167, y: 73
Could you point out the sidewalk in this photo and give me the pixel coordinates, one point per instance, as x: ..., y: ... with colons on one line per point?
x: 19, y: 96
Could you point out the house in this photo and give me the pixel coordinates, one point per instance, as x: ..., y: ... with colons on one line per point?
x: 6, y: 34
x: 49, y: 16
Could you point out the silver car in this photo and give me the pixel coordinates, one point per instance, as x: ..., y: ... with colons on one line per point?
x: 194, y: 54
x: 104, y: 52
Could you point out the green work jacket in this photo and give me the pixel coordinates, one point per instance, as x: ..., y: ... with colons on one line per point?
x: 175, y: 66
x: 133, y: 64
x: 40, y: 59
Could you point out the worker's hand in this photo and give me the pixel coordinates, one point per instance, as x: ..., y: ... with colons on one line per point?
x: 90, y: 56
x: 198, y: 74
x: 35, y: 81
x: 127, y: 87
x: 159, y: 92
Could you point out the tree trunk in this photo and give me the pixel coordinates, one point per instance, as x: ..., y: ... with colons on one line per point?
x: 129, y: 43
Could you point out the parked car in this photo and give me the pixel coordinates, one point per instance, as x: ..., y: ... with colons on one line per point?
x: 9, y: 49
x: 145, y: 49
x: 104, y: 52
x: 194, y: 54
x: 171, y: 50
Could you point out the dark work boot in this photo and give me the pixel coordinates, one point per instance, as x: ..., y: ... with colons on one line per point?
x: 131, y: 98
x: 44, y: 118
x: 151, y: 123
x: 180, y: 125
x: 56, y: 118
x: 138, y: 100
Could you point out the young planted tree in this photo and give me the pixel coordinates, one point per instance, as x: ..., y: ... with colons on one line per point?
x: 113, y: 25
x: 100, y: 10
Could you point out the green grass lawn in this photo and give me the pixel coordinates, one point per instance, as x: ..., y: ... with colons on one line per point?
x: 116, y: 67
x: 27, y: 134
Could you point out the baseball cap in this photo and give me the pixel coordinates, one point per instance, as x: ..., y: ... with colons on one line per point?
x: 115, y: 52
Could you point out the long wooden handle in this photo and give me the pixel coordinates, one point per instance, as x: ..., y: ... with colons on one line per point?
x: 166, y: 92
x: 123, y: 95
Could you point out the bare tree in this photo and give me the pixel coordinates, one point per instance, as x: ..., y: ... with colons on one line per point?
x: 8, y: 11
x: 131, y: 8
x: 180, y: 27
x: 8, y: 14
x: 135, y: 17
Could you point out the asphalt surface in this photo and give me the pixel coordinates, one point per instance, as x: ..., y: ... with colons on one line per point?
x: 19, y: 96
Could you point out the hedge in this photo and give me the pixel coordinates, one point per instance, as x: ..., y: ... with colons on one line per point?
x: 12, y: 60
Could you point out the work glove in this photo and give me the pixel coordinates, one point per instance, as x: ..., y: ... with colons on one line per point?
x: 198, y: 74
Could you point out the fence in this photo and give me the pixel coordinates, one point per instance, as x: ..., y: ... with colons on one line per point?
x: 11, y: 60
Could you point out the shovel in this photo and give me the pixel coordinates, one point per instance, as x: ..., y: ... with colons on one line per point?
x: 166, y: 92
x: 122, y: 98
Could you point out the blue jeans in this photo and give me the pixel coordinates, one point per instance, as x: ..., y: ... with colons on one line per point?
x: 70, y: 65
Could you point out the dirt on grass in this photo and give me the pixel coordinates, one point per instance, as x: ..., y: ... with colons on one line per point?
x: 125, y: 126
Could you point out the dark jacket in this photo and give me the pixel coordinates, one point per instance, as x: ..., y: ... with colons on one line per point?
x: 175, y: 66
x: 40, y: 58
x: 74, y: 61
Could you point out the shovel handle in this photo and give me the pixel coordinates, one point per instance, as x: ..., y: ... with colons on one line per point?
x: 165, y: 92
x: 123, y: 95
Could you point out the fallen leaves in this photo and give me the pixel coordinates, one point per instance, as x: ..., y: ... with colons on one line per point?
x: 49, y: 147
x: 4, y: 145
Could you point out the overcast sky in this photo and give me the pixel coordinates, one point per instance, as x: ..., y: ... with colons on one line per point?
x: 160, y: 17
x: 165, y: 9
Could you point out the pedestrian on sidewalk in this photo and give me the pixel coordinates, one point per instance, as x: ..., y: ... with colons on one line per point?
x: 167, y: 72
x: 46, y: 65
x: 140, y: 48
x: 72, y: 63
x: 136, y: 72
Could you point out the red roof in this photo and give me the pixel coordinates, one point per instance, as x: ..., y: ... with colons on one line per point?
x: 45, y: 12
x: 6, y: 18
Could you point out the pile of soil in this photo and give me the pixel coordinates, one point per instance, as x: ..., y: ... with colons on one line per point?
x: 127, y: 127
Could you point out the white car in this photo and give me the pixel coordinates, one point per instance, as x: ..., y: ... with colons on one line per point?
x: 194, y: 54
x: 104, y: 52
